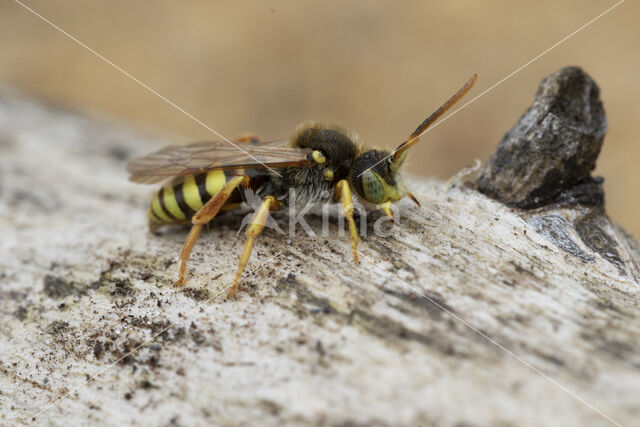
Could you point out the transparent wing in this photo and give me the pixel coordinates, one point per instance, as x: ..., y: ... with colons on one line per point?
x: 191, y: 159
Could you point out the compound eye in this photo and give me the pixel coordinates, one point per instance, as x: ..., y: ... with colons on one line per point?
x: 372, y: 187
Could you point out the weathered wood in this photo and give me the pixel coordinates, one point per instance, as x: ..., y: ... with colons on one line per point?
x: 407, y: 337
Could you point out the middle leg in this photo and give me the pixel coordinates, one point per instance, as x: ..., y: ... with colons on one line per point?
x: 270, y: 203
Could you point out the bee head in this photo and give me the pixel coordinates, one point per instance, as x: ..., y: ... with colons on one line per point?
x: 374, y: 173
x: 375, y: 177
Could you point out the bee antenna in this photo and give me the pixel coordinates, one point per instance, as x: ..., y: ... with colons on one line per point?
x: 415, y: 136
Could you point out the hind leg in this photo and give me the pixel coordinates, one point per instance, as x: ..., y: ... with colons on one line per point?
x: 203, y: 216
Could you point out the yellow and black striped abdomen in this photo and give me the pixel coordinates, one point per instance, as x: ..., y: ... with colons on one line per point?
x: 176, y: 204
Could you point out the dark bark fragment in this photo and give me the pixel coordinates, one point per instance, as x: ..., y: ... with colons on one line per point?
x: 548, y: 156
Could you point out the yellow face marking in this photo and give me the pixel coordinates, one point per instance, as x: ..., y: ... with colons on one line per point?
x: 395, y: 164
x: 390, y: 192
x: 191, y: 194
x: 215, y: 181
x: 157, y: 209
x: 171, y: 204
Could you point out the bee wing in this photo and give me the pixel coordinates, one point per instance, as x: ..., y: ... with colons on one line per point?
x: 192, y: 159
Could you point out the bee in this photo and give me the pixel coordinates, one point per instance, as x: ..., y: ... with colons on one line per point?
x: 320, y: 163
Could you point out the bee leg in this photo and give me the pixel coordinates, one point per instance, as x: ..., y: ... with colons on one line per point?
x: 386, y: 208
x: 255, y: 228
x: 186, y: 251
x: 203, y: 216
x: 344, y: 193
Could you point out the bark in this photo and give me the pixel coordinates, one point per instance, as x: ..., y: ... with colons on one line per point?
x: 469, y: 312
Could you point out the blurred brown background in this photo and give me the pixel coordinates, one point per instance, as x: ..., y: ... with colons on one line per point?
x: 378, y: 67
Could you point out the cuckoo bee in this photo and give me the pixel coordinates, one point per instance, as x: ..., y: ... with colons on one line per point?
x: 321, y: 163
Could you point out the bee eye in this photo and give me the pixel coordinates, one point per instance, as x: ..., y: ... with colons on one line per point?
x: 373, y: 187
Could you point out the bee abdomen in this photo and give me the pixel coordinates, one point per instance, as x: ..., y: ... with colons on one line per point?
x: 175, y: 204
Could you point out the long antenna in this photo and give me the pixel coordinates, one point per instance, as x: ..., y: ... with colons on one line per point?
x: 415, y: 136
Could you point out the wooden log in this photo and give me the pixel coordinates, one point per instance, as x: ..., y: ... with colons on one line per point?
x: 469, y: 312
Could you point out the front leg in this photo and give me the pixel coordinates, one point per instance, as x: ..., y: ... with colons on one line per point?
x: 386, y: 208
x: 343, y: 191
